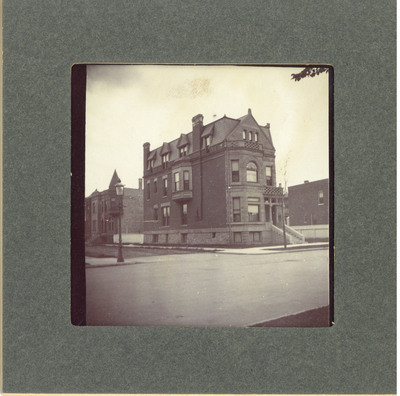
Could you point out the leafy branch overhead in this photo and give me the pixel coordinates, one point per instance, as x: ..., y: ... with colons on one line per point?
x: 309, y: 71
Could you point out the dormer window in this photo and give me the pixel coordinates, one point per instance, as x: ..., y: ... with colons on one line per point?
x: 183, y: 151
x: 165, y: 160
x: 244, y: 135
x: 256, y: 136
x: 206, y: 142
x: 250, y: 136
x: 150, y: 164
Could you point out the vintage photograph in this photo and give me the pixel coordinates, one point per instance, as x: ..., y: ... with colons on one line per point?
x: 208, y: 199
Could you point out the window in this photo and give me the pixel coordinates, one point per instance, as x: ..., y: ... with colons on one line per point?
x: 214, y: 234
x: 165, y: 187
x: 164, y: 160
x: 166, y: 238
x: 182, y: 151
x: 184, y: 238
x: 176, y: 181
x: 155, y: 213
x: 150, y: 164
x: 237, y: 237
x: 105, y: 206
x: 320, y: 197
x: 236, y: 209
x: 250, y: 135
x: 148, y: 190
x: 251, y: 172
x: 235, y: 171
x: 184, y: 213
x: 206, y: 142
x: 155, y: 186
x: 186, y: 185
x: 255, y: 236
x: 256, y: 136
x: 94, y: 207
x: 244, y: 135
x: 165, y: 215
x: 94, y: 225
x: 268, y: 175
x: 155, y: 238
x: 253, y: 209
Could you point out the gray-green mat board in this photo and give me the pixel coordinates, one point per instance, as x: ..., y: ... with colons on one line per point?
x: 42, y: 351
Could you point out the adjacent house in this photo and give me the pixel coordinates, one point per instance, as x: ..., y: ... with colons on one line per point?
x: 102, y: 211
x: 309, y: 209
x: 213, y: 185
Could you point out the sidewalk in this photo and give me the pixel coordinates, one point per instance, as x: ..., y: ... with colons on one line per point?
x: 259, y: 250
x: 276, y: 249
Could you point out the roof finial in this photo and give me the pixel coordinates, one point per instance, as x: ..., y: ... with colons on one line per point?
x: 249, y: 111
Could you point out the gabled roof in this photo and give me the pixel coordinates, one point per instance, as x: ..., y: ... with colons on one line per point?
x: 218, y: 130
x: 208, y: 130
x: 182, y: 141
x: 267, y: 132
x: 95, y: 192
x: 165, y: 149
x: 248, y: 122
x: 114, y: 180
x: 152, y: 155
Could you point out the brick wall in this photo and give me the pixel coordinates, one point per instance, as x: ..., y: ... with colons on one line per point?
x: 304, y: 205
x: 132, y: 218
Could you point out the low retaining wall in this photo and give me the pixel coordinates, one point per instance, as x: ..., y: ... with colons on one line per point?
x: 314, y: 232
x: 129, y: 238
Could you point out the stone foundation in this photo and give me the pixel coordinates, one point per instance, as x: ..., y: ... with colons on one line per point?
x: 249, y: 235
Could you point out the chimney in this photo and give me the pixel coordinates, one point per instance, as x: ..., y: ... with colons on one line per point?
x: 306, y: 181
x: 146, y: 151
x: 249, y: 112
x: 197, y: 125
x: 140, y: 184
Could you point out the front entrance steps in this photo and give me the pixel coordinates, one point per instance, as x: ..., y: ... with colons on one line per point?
x: 293, y: 237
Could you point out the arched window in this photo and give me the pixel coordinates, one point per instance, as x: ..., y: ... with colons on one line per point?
x: 251, y: 172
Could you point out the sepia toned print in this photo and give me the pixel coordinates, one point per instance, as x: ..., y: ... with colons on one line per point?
x: 207, y: 196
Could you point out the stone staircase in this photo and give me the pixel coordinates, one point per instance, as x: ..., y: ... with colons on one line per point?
x: 293, y: 237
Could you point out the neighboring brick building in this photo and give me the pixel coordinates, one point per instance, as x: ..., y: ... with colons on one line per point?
x: 309, y: 203
x: 214, y: 185
x: 101, y: 213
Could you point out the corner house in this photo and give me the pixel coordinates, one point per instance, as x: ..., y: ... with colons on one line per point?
x: 213, y: 186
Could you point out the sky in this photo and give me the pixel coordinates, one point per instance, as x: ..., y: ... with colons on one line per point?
x: 128, y: 105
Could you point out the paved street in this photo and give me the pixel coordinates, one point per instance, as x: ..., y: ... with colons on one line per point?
x: 208, y: 289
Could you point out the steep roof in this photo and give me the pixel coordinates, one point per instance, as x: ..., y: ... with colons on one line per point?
x: 182, y: 141
x: 95, y: 192
x: 114, y: 180
x: 218, y: 130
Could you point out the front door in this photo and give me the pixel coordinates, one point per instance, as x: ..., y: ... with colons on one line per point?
x: 274, y: 211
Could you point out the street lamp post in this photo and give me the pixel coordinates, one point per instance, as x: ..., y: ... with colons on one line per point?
x: 283, y: 225
x: 119, y: 189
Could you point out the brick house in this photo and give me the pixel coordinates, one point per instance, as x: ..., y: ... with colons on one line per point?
x: 309, y: 203
x: 101, y: 213
x: 213, y: 185
x: 309, y: 209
